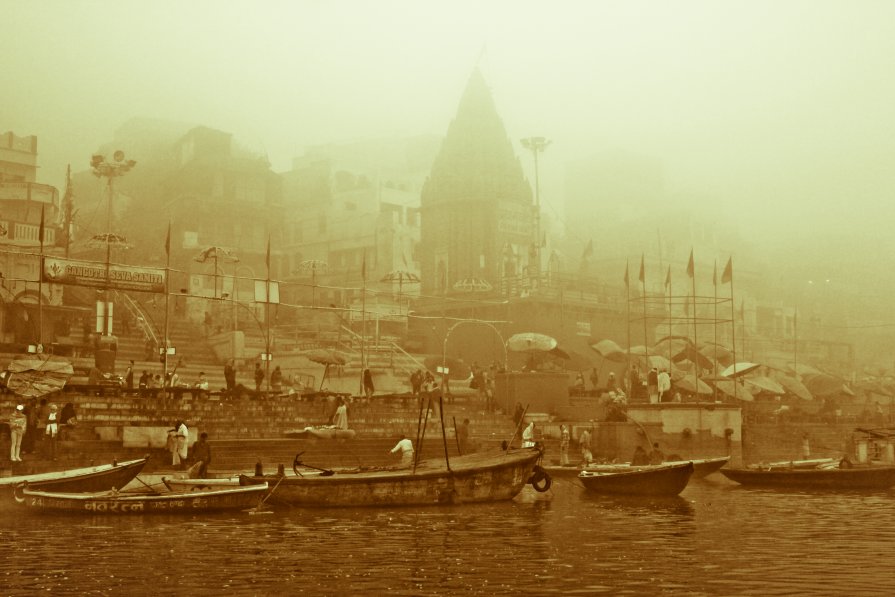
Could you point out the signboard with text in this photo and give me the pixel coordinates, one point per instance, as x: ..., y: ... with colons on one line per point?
x: 97, y: 275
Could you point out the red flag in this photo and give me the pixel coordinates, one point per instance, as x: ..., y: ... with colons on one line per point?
x: 727, y: 275
x: 267, y: 257
x: 668, y: 277
x: 690, y: 268
x: 626, y: 275
x: 40, y: 232
x: 642, y: 276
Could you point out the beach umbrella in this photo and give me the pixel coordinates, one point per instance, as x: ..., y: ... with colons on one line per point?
x: 655, y: 360
x: 574, y: 361
x: 326, y: 357
x: 690, y: 353
x: 472, y: 285
x: 401, y: 277
x: 728, y: 387
x: 531, y: 342
x: 610, y: 351
x: 738, y: 369
x: 765, y: 384
x: 823, y: 385
x: 718, y: 353
x: 795, y: 387
x: 36, y: 376
x: 688, y: 383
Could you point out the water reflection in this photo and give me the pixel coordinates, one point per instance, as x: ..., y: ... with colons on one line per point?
x: 715, y: 538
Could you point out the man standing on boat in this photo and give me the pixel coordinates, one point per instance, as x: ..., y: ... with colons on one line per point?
x: 405, y: 446
x: 528, y: 436
x: 17, y: 425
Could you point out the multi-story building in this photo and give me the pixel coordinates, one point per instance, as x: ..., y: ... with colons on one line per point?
x: 28, y: 209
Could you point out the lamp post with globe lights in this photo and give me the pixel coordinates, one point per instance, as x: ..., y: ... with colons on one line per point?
x: 102, y: 168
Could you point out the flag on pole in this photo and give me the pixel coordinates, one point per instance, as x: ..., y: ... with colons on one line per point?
x: 588, y: 250
x: 727, y: 274
x: 627, y: 283
x: 642, y: 276
x: 40, y: 232
x: 168, y: 241
x: 668, y: 277
x: 690, y: 268
x: 267, y: 257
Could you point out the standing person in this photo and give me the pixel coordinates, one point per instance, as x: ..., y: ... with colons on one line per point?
x: 180, y: 433
x: 656, y: 456
x: 230, y: 377
x: 143, y: 382
x: 40, y: 423
x: 528, y: 436
x: 463, y: 437
x: 406, y: 448
x: 276, y: 379
x: 652, y: 385
x: 340, y: 419
x: 634, y: 383
x: 584, y: 445
x: 202, y: 455
x: 594, y: 379
x: 18, y: 423
x: 52, y: 430
x: 30, y: 413
x: 368, y: 384
x: 610, y: 383
x: 564, y: 438
x: 259, y: 377
x: 664, y: 381
x: 429, y: 394
x: 129, y: 377
x: 416, y: 382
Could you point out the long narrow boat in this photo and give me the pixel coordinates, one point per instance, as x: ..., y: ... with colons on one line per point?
x: 857, y: 477
x: 113, y: 502
x: 667, y: 479
x: 479, y: 477
x: 702, y: 467
x: 92, y: 478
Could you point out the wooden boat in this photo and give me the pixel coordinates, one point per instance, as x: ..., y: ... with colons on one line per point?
x: 664, y: 479
x: 92, y: 478
x: 819, y: 477
x: 113, y: 502
x: 701, y: 467
x: 326, y: 432
x: 479, y: 477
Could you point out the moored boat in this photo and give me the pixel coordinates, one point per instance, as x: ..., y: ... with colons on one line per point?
x: 325, y: 432
x: 477, y: 477
x: 87, y: 479
x: 664, y: 479
x: 702, y: 467
x: 819, y: 477
x: 113, y: 502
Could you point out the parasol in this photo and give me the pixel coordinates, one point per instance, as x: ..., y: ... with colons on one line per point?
x: 738, y: 369
x: 401, y: 277
x: 610, y: 351
x: 729, y: 388
x: 326, y: 357
x: 795, y: 387
x: 688, y: 383
x: 472, y: 285
x: 531, y: 342
x: 823, y: 385
x: 765, y: 384
x: 717, y: 352
x: 37, y: 376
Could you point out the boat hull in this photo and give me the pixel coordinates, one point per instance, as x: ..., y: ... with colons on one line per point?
x: 113, y: 503
x: 869, y: 477
x: 87, y: 479
x: 655, y: 480
x: 478, y: 477
x: 701, y: 468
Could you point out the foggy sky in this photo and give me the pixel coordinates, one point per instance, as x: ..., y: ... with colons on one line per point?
x: 779, y: 112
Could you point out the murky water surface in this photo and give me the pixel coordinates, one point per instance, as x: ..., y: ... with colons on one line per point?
x: 715, y: 539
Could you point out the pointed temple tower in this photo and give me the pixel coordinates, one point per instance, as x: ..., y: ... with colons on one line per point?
x: 477, y: 219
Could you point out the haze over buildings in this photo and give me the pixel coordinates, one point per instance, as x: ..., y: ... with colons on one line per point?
x: 765, y: 128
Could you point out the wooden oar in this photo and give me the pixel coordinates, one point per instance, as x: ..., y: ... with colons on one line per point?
x: 519, y: 425
x: 257, y: 509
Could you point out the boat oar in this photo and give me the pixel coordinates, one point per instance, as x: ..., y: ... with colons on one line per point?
x: 148, y: 486
x: 457, y: 437
x: 257, y: 509
x: 518, y: 425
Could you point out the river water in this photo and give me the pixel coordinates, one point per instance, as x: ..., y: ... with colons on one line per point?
x: 715, y: 539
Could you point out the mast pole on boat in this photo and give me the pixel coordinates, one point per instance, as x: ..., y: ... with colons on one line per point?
x: 167, y: 301
x: 40, y: 289
x: 733, y: 324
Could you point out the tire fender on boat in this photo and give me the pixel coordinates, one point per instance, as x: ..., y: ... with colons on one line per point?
x: 540, y: 479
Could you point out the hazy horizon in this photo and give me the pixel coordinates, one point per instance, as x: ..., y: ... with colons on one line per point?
x: 776, y: 113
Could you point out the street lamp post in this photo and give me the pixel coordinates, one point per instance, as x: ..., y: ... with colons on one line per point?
x: 537, y: 145
x: 110, y: 170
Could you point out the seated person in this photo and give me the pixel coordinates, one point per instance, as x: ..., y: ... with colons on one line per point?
x: 640, y: 458
x: 201, y: 386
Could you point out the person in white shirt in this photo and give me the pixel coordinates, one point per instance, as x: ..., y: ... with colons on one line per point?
x: 664, y: 383
x: 528, y: 436
x: 405, y: 446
